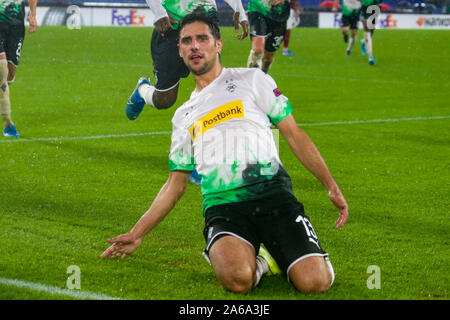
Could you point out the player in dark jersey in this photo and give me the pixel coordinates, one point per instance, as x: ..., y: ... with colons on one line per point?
x: 12, y: 34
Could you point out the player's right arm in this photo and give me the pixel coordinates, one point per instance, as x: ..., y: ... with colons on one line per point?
x: 165, y: 201
x: 239, y: 18
x: 162, y: 21
x: 32, y: 17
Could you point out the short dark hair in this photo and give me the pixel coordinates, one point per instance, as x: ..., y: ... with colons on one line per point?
x: 207, y: 17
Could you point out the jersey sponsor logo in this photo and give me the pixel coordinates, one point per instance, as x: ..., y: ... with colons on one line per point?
x: 230, y: 110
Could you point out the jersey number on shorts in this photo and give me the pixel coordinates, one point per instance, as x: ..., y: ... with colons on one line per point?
x: 309, y: 230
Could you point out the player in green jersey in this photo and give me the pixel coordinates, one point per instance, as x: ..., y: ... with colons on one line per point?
x: 267, y: 30
x: 12, y: 34
x: 350, y: 19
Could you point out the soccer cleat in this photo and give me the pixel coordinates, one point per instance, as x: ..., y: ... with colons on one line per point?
x: 348, y: 52
x: 287, y: 53
x: 371, y: 61
x: 273, y: 266
x: 195, y: 178
x: 363, y: 47
x: 135, y: 102
x: 11, y: 132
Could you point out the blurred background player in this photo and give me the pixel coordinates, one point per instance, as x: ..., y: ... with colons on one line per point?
x: 168, y: 67
x: 267, y: 30
x: 351, y: 10
x: 12, y: 34
x: 369, y: 26
x: 292, y: 22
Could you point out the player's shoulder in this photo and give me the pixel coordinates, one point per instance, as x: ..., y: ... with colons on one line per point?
x: 180, y: 114
x: 244, y: 71
x: 249, y: 74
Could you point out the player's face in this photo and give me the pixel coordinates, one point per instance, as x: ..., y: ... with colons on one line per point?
x: 198, y: 48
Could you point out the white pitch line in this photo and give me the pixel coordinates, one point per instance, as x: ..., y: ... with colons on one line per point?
x: 370, y: 121
x: 55, y: 290
x: 106, y: 136
x: 122, y: 135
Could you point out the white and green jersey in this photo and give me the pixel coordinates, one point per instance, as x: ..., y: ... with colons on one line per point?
x: 350, y: 7
x: 12, y: 12
x: 177, y: 9
x: 279, y: 13
x: 224, y: 131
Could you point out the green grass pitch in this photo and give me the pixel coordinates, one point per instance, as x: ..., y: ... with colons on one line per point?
x: 63, y: 192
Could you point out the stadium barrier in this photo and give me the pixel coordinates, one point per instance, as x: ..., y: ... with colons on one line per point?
x: 393, y: 21
x: 140, y: 16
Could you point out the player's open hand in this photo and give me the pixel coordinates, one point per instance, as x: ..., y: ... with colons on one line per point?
x: 163, y: 25
x: 243, y: 24
x: 122, y: 246
x: 339, y: 202
x: 33, y: 24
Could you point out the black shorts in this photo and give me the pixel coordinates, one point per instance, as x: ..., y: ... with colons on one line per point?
x: 11, y: 41
x: 366, y: 15
x: 279, y: 222
x: 350, y: 21
x: 168, y: 66
x: 273, y: 31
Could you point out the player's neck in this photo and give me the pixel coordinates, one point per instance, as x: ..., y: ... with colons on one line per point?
x: 202, y: 81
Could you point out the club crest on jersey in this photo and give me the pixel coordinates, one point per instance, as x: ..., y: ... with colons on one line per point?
x: 228, y: 111
x: 230, y: 85
x: 276, y: 92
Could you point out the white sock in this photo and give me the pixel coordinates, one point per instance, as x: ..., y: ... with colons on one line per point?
x: 351, y: 43
x: 254, y: 59
x: 262, y: 267
x: 146, y: 91
x: 368, y: 42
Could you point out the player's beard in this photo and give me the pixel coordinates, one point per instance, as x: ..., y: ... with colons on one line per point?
x: 207, y: 66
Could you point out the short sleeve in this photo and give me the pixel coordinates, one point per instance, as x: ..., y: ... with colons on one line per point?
x: 181, y: 151
x: 270, y: 99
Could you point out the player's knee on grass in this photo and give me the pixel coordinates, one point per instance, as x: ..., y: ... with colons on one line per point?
x: 311, y: 275
x: 234, y: 263
x: 239, y: 279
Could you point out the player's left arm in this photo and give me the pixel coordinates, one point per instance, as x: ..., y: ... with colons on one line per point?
x: 32, y: 16
x: 308, y: 154
x: 125, y: 244
x: 239, y: 18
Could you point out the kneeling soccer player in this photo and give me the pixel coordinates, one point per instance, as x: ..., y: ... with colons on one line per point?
x: 248, y: 196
